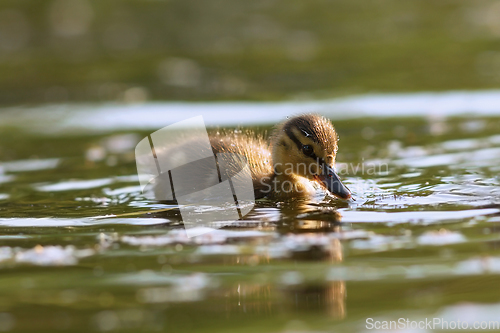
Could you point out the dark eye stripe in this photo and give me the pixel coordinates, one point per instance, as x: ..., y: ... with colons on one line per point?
x: 297, y: 142
x: 292, y: 137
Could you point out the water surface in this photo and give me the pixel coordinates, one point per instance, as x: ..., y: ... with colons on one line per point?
x: 419, y: 241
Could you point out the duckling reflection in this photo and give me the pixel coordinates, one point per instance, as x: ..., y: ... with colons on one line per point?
x: 265, y: 295
x: 305, y: 216
x: 296, y: 216
x: 330, y: 297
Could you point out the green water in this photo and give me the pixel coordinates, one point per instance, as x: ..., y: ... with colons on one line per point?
x: 421, y: 239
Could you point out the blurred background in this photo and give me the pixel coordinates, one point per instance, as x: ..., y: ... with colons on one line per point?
x: 411, y: 86
x: 137, y: 50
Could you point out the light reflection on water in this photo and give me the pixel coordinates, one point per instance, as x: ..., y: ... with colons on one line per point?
x: 435, y: 107
x: 416, y: 229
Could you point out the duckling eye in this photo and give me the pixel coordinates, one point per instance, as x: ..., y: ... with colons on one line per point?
x: 307, y: 150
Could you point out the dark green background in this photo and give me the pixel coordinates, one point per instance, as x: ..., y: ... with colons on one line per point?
x: 78, y: 50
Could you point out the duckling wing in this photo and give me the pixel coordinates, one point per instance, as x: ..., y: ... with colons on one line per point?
x: 256, y: 152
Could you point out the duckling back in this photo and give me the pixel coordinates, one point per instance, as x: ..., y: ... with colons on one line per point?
x: 232, y: 152
x: 256, y: 152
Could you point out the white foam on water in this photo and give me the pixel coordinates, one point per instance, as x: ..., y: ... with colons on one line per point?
x: 45, y: 255
x: 441, y: 237
x: 46, y: 222
x: 30, y: 165
x: 72, y: 185
x: 206, y: 236
x: 82, y: 184
x: 471, y: 313
x: 420, y: 217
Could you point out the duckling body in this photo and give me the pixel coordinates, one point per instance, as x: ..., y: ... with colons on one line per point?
x: 298, y: 160
x: 256, y: 152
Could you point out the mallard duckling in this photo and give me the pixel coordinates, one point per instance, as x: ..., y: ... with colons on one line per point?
x: 299, y: 158
x: 301, y: 154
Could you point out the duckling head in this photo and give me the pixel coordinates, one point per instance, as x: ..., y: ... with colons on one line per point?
x: 306, y: 146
